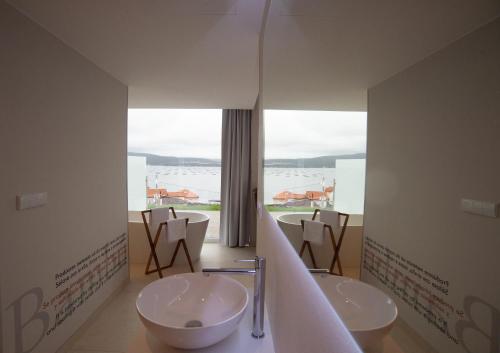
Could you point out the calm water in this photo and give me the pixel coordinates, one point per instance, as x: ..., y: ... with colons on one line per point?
x: 205, y: 181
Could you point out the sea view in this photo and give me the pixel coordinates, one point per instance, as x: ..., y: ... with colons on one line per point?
x: 321, y: 168
x: 205, y: 181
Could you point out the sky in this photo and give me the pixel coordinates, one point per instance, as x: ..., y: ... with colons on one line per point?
x: 176, y: 132
x: 306, y: 134
x: 289, y: 133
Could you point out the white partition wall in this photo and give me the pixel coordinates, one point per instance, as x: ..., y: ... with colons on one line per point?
x: 433, y: 139
x: 136, y: 182
x: 62, y: 132
x: 350, y: 185
x: 301, y: 317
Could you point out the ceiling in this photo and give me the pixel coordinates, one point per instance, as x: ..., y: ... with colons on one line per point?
x: 171, y: 53
x: 324, y: 54
x: 318, y: 54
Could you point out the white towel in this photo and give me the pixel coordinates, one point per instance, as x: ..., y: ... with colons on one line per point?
x: 331, y: 218
x: 313, y: 232
x: 158, y: 215
x: 176, y: 229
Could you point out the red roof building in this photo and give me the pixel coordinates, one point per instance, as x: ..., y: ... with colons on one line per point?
x: 315, y: 195
x: 287, y: 195
x: 153, y: 192
x: 184, y: 193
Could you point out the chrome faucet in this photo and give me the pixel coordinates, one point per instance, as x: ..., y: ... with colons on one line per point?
x: 259, y: 272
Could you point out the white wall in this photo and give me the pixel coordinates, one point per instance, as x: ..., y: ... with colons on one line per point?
x: 136, y: 181
x: 350, y: 185
x: 433, y: 138
x: 63, y: 131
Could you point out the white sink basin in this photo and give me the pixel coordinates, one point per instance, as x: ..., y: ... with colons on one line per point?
x: 192, y: 310
x: 367, y: 312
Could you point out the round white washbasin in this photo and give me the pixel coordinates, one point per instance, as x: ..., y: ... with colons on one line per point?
x: 367, y: 312
x: 192, y: 310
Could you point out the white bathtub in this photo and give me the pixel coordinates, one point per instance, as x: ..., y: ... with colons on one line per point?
x: 139, y: 247
x: 350, y: 252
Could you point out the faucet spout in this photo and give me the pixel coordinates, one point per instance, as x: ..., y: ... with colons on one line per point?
x: 241, y: 271
x: 259, y: 272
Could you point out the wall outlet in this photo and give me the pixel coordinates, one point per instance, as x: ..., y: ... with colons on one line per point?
x: 25, y: 201
x: 482, y: 208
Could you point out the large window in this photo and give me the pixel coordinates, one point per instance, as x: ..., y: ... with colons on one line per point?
x: 175, y: 160
x: 314, y: 159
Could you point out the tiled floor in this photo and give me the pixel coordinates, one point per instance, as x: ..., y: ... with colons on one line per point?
x: 115, y: 326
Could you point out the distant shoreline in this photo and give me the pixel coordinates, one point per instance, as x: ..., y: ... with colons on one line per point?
x: 315, y: 162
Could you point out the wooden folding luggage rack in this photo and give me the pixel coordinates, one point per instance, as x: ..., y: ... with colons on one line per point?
x: 153, y: 243
x: 336, y: 246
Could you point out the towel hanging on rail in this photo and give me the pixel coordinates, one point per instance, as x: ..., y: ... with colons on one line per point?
x: 176, y: 229
x: 313, y: 232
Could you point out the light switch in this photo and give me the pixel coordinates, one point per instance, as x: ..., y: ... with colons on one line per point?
x: 25, y: 201
x: 483, y: 208
x: 490, y: 209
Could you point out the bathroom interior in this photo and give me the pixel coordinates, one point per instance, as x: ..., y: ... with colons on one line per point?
x: 387, y: 242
